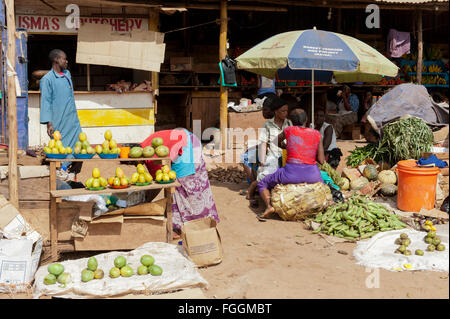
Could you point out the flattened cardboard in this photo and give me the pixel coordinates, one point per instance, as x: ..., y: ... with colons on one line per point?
x: 130, y: 234
x: 202, y: 242
x: 138, y: 49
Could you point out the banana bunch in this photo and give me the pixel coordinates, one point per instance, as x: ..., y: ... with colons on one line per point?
x: 434, y: 69
x: 407, y: 68
x: 424, y: 68
x: 433, y: 53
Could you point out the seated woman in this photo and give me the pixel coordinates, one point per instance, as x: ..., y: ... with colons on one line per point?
x: 332, y: 152
x: 249, y: 160
x: 194, y: 198
x: 304, y: 147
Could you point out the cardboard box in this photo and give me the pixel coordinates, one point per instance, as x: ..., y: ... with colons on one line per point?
x: 20, y: 250
x: 120, y: 232
x: 181, y: 63
x: 202, y: 241
x: 250, y: 121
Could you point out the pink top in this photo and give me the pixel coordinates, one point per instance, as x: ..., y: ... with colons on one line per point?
x: 302, y: 145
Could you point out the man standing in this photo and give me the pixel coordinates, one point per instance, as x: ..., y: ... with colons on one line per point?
x: 58, y: 109
x: 348, y: 106
x: 332, y: 152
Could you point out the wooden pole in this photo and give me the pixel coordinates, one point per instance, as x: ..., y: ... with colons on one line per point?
x: 223, y: 90
x: 88, y: 75
x: 419, y: 48
x: 13, y: 176
x: 153, y: 25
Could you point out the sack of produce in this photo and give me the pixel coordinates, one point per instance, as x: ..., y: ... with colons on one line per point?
x: 298, y: 201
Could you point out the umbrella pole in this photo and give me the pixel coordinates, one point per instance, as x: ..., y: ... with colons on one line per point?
x: 312, y: 104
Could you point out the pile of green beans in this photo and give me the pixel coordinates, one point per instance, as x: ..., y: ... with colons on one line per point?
x: 358, y: 218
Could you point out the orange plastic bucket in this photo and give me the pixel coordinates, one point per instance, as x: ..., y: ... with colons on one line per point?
x: 416, y: 186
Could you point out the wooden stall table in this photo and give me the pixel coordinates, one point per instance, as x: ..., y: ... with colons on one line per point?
x: 56, y: 195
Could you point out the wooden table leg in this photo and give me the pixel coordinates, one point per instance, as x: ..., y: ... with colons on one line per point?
x: 53, y: 221
x: 168, y: 194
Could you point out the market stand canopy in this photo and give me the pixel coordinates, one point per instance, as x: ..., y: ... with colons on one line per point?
x: 317, y: 50
x: 137, y: 49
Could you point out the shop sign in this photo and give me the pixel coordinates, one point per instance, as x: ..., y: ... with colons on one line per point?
x: 57, y: 24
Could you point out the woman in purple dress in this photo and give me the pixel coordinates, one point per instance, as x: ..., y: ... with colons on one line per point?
x: 194, y: 198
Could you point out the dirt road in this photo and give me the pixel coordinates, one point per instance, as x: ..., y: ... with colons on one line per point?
x: 278, y: 259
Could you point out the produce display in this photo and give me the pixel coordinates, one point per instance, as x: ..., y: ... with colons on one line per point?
x: 96, y: 182
x: 403, y: 139
x: 359, y: 154
x: 157, y: 148
x: 335, y: 176
x: 431, y: 79
x: 358, y: 218
x: 92, y: 271
x: 141, y: 176
x: 388, y: 189
x: 387, y: 177
x: 109, y: 146
x: 165, y: 174
x: 121, y: 268
x: 120, y: 180
x: 56, y: 274
x: 55, y: 145
x: 82, y: 146
x: 358, y: 183
x: 370, y: 172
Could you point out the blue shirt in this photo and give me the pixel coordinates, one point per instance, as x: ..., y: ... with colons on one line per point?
x: 352, y: 100
x: 184, y: 164
x: 58, y: 106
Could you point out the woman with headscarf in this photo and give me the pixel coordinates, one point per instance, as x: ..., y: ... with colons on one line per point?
x: 194, y: 198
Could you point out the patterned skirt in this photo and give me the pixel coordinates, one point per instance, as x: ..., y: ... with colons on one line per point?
x: 194, y: 198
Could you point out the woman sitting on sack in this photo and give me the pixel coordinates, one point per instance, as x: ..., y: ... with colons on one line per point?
x: 304, y: 146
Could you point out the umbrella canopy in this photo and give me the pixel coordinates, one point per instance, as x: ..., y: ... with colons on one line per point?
x: 319, y: 51
x: 316, y: 50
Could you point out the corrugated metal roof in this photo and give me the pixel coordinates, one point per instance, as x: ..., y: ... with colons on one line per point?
x: 411, y: 1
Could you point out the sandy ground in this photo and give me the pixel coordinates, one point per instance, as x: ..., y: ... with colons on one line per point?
x: 277, y: 259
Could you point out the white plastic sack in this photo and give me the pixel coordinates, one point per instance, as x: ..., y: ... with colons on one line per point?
x: 100, y: 202
x: 378, y: 252
x: 178, y: 273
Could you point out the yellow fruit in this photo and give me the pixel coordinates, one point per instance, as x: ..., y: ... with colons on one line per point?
x: 96, y: 173
x: 124, y: 181
x: 172, y: 175
x: 69, y: 150
x: 165, y: 169
x: 105, y: 145
x: 141, y: 178
x: 52, y: 143
x: 83, y: 151
x: 112, y: 144
x: 47, y: 150
x: 89, y: 182
x: 116, y: 181
x: 55, y: 150
x: 98, y: 149
x: 140, y: 169
x: 158, y: 172
x: 148, y: 177
x: 62, y: 150
x: 111, y: 181
x: 134, y: 178
x: 103, y: 181
x: 108, y: 135
x: 57, y: 135
x: 119, y: 172
x: 166, y: 178
x: 159, y: 177
x: 96, y: 183
x: 82, y: 137
x: 59, y: 144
